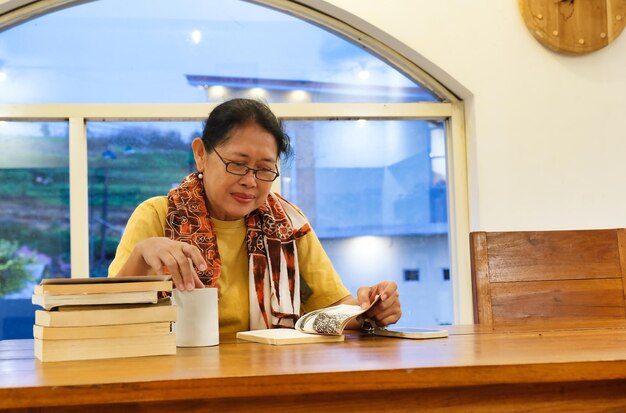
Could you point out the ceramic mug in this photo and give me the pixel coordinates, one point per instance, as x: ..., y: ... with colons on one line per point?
x: 197, y: 321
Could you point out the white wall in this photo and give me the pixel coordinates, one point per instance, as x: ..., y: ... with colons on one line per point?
x: 546, y: 132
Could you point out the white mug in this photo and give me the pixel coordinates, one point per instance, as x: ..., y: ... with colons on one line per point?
x: 197, y: 321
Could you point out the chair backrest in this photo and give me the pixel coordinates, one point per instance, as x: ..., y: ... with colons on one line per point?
x: 535, y: 279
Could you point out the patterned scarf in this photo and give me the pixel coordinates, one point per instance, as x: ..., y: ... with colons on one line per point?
x: 272, y: 231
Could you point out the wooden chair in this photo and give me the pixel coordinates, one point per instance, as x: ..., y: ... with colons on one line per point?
x: 540, y: 279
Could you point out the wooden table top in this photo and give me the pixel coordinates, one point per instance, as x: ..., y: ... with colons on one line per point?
x: 470, y: 356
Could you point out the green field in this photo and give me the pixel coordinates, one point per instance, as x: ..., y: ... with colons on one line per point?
x: 123, y: 171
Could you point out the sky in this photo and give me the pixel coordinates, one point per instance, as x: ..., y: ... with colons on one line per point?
x: 118, y: 51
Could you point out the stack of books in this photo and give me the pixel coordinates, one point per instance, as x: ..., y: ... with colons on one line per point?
x: 98, y: 318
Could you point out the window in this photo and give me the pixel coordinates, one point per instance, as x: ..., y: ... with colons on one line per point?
x: 366, y: 187
x: 371, y: 188
x: 412, y: 275
x: 34, y: 216
x: 130, y: 162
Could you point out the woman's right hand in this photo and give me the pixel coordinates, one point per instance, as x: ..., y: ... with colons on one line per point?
x: 168, y: 257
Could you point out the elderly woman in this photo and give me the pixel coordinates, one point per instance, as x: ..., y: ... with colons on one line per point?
x: 222, y: 227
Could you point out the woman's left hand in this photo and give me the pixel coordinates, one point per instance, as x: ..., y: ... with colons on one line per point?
x: 387, y: 310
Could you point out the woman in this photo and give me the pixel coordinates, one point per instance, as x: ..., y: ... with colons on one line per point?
x: 222, y: 227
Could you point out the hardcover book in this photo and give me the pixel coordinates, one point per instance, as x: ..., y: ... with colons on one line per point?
x: 104, y: 331
x: 56, y: 292
x: 87, y: 315
x: 49, y: 301
x: 103, y: 285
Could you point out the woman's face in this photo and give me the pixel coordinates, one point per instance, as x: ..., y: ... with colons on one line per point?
x: 231, y: 197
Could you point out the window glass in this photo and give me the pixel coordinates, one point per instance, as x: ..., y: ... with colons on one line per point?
x: 116, y: 51
x: 130, y: 162
x: 374, y: 192
x: 34, y: 217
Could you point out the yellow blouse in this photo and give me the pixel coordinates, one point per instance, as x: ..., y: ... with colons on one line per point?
x: 148, y: 220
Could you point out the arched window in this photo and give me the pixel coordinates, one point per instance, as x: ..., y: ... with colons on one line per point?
x: 99, y: 101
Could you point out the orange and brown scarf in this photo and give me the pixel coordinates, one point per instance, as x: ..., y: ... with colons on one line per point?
x: 272, y: 231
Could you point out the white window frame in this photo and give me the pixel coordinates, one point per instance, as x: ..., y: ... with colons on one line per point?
x: 451, y: 111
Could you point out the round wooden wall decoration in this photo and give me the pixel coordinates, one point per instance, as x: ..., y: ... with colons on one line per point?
x: 574, y: 26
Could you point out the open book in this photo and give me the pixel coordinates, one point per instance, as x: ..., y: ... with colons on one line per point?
x: 318, y: 326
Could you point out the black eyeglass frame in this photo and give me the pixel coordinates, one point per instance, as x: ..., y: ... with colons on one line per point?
x: 248, y: 169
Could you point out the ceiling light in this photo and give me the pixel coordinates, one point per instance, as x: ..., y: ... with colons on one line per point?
x: 196, y: 36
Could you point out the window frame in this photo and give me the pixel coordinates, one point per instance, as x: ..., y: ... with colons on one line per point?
x: 451, y: 111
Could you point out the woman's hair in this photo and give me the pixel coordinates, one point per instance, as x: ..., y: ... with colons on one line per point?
x: 238, y: 112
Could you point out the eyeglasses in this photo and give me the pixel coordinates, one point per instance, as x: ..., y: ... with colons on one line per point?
x: 235, y: 168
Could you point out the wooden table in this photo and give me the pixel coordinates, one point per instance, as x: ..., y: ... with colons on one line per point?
x: 472, y: 370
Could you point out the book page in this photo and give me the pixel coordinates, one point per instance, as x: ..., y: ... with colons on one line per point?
x: 331, y: 320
